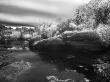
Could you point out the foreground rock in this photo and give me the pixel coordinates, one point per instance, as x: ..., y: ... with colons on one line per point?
x: 88, y: 42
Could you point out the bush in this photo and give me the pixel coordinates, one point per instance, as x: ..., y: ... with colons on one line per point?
x: 102, y: 69
x: 104, y: 33
x: 65, y: 26
x: 12, y: 71
x: 93, y: 13
x: 6, y: 58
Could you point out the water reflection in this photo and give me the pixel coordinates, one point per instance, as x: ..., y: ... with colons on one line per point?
x: 82, y: 63
x: 44, y: 66
x: 61, y: 65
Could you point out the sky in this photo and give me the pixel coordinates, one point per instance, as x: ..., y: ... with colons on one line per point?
x: 37, y: 11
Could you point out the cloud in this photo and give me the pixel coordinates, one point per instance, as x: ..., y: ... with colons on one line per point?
x: 37, y: 9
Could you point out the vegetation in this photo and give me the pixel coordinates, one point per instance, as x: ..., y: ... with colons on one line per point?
x: 12, y: 71
x: 6, y: 58
x: 94, y: 16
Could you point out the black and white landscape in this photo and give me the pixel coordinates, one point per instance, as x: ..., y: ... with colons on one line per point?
x: 73, y: 49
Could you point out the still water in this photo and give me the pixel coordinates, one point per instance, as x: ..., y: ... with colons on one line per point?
x: 64, y: 67
x: 44, y: 66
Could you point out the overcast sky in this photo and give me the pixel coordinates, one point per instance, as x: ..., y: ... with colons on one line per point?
x: 35, y: 11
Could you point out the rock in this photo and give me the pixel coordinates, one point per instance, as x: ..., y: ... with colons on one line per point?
x: 51, y: 44
x: 87, y: 41
x: 76, y: 42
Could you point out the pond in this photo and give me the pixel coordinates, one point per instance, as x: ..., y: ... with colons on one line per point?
x: 60, y: 67
x: 44, y: 67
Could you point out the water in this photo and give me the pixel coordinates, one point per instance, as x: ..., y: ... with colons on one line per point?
x: 58, y: 64
x: 43, y: 66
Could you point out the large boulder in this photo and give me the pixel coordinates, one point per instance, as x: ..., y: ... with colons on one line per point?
x: 47, y: 45
x: 87, y: 42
